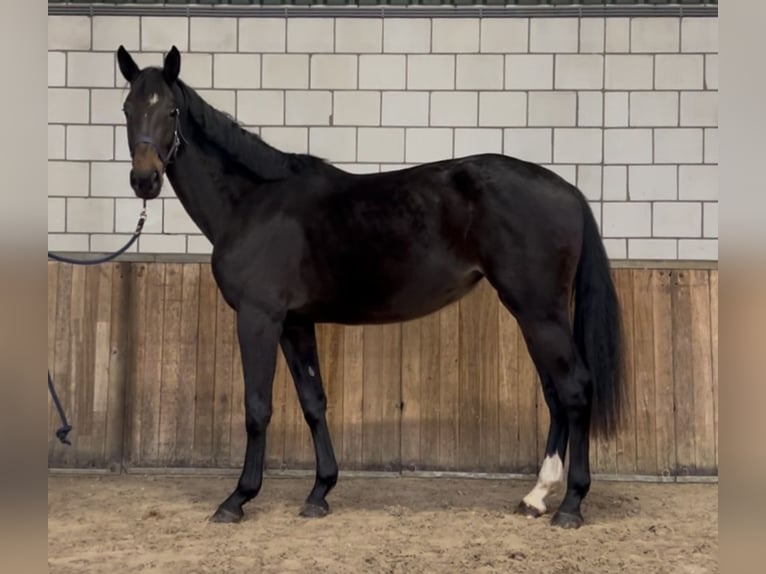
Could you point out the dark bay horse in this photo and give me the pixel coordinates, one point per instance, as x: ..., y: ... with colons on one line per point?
x: 297, y: 241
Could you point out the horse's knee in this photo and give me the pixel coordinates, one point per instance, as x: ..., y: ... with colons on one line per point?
x: 314, y: 410
x: 257, y: 417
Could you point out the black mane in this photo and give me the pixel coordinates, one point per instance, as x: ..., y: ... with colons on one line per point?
x: 245, y: 147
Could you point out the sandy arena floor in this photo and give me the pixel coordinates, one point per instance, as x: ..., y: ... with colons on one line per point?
x: 127, y: 524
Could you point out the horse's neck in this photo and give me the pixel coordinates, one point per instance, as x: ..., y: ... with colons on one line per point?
x: 195, y: 177
x: 207, y: 181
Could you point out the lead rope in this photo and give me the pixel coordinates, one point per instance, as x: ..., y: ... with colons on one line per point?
x: 120, y: 251
x: 62, y: 432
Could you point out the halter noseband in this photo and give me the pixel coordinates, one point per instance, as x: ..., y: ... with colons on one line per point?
x: 165, y: 159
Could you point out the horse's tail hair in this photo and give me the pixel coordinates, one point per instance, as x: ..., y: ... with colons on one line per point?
x: 598, y: 328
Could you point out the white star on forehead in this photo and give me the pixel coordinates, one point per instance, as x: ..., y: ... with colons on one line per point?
x: 153, y: 99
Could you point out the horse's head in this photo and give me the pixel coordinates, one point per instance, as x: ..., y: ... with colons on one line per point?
x: 151, y: 116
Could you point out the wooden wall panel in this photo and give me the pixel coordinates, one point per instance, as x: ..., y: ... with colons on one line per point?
x: 145, y: 357
x: 188, y: 356
x: 626, y: 440
x: 643, y: 373
x: 664, y: 404
x: 86, y: 342
x: 702, y: 360
x: 202, y: 448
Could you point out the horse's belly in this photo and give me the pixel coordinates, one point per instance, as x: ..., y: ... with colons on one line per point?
x: 420, y: 299
x: 419, y: 296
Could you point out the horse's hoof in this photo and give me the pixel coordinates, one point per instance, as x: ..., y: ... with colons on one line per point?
x: 567, y: 520
x: 223, y: 516
x: 314, y: 510
x: 529, y: 511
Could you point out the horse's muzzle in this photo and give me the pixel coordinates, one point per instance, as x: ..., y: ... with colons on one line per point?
x: 146, y: 184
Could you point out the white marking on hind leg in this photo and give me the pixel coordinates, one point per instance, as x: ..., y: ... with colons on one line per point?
x: 551, y: 474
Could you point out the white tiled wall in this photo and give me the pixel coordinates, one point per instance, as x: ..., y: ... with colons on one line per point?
x: 626, y: 108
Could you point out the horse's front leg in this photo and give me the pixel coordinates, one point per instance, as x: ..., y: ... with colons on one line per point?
x: 258, y: 335
x: 300, y: 348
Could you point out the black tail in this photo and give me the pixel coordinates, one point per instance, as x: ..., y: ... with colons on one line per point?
x: 598, y: 328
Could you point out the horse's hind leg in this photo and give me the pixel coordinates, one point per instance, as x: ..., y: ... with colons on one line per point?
x: 552, y: 346
x: 552, y: 470
x: 541, y: 308
x: 300, y: 348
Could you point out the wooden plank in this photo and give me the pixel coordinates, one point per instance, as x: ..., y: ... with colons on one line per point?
x: 225, y: 335
x: 206, y: 358
x: 527, y: 431
x: 714, y: 354
x: 372, y: 405
x: 683, y: 369
x: 353, y: 389
x: 331, y: 359
x: 643, y: 353
x: 702, y: 372
x: 84, y: 330
x: 169, y: 367
x: 187, y: 365
x: 171, y: 362
x: 626, y: 445
x: 53, y: 276
x: 392, y: 396
x: 77, y: 380
x: 469, y: 390
x: 382, y: 397
x: 53, y: 297
x: 412, y: 384
x: 117, y: 406
x: 507, y: 392
x: 151, y: 382
x: 137, y: 362
x: 102, y: 358
x: 662, y: 317
x: 430, y: 410
x: 449, y: 399
x: 489, y: 437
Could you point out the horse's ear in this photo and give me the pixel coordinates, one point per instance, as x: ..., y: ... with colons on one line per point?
x: 128, y: 65
x: 172, y: 65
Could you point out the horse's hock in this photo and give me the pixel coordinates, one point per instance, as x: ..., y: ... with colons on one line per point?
x: 145, y: 359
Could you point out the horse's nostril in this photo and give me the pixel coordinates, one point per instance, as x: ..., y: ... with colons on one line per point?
x: 155, y: 176
x: 133, y: 180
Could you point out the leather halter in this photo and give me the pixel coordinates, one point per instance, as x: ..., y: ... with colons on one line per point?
x: 165, y: 159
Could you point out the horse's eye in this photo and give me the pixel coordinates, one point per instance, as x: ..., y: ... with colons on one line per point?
x: 173, y: 112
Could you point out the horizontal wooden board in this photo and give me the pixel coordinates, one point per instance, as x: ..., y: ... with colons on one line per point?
x: 146, y: 360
